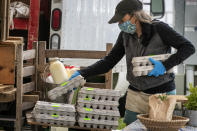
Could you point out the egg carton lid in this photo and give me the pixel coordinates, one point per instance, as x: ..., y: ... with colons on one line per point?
x: 76, y: 79
x: 99, y: 122
x: 146, y: 58
x: 58, y: 106
x: 56, y: 94
x: 69, y: 85
x: 100, y: 102
x: 98, y: 112
x: 108, y: 92
x: 53, y: 117
x: 50, y: 111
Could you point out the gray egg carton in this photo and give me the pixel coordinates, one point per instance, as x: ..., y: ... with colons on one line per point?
x: 51, y: 112
x: 144, y: 70
x: 99, y: 117
x: 55, y: 119
x: 98, y: 104
x: 144, y: 60
x: 101, y: 124
x: 60, y: 108
x: 63, y: 89
x: 99, y: 114
x: 99, y: 94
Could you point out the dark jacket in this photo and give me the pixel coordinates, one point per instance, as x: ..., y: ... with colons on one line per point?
x: 157, y: 38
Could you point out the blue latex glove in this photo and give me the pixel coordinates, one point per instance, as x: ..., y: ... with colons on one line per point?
x: 159, y: 68
x: 75, y: 74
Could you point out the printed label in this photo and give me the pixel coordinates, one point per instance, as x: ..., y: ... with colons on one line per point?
x: 87, y: 119
x: 87, y: 99
x: 55, y: 105
x: 88, y: 109
x: 90, y: 89
x: 65, y: 83
x: 55, y: 116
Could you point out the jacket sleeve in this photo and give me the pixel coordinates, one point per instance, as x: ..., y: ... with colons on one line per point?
x: 108, y: 62
x: 172, y: 38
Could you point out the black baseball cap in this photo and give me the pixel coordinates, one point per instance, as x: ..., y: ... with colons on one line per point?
x: 124, y: 7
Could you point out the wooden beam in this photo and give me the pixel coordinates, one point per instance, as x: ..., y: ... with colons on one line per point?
x: 3, y: 13
x: 29, y: 54
x: 95, y: 85
x: 8, y: 42
x: 41, y: 62
x: 28, y: 87
x: 30, y: 98
x: 16, y: 38
x: 19, y: 84
x: 28, y: 71
x: 35, y: 47
x: 75, y: 54
x: 7, y: 19
x: 108, y: 75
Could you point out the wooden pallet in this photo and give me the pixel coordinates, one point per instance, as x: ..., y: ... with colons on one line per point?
x: 31, y: 121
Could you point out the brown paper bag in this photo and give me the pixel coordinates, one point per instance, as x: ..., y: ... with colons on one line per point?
x: 161, y: 109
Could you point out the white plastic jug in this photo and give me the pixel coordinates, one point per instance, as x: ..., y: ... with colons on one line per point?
x: 58, y: 71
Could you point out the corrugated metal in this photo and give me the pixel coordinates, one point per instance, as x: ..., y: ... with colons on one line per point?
x: 85, y: 24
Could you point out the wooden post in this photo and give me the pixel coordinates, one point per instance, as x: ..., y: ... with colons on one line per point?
x: 3, y: 13
x: 7, y: 19
x: 19, y: 83
x: 35, y: 46
x: 108, y: 76
x: 41, y: 62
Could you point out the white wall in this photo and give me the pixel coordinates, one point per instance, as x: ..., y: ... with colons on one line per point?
x: 85, y: 24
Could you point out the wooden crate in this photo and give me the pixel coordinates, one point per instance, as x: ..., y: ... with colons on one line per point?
x: 7, y: 64
x: 4, y: 19
x: 7, y: 60
x: 12, y: 58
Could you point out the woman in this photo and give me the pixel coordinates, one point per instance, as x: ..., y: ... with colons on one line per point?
x: 140, y: 36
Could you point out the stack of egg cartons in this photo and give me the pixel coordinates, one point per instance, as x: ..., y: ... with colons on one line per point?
x: 65, y: 87
x: 54, y: 113
x: 142, y: 65
x: 98, y: 108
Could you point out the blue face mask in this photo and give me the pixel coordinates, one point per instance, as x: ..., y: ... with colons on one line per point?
x: 127, y: 27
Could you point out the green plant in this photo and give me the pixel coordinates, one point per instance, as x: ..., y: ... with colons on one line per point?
x: 162, y: 97
x: 121, y: 124
x: 191, y: 104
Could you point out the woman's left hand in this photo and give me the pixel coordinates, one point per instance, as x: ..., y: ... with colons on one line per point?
x: 159, y: 68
